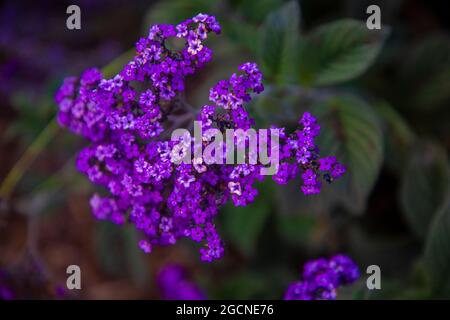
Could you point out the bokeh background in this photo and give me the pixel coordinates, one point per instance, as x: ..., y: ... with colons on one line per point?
x: 382, y: 98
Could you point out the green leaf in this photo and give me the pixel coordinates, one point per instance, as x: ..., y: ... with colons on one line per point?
x: 437, y: 252
x: 119, y: 254
x: 398, y: 136
x: 175, y: 11
x: 112, y: 68
x: 350, y: 130
x: 257, y: 282
x: 279, y: 34
x: 337, y: 52
x: 243, y: 34
x: 256, y: 11
x: 243, y: 225
x: 383, y: 248
x: 425, y: 185
x: 296, y: 229
x: 243, y: 286
x: 279, y: 105
x: 426, y: 73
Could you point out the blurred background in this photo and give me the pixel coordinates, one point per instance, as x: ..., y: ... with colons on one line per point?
x: 382, y: 98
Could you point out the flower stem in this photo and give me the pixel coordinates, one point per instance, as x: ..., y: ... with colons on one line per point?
x: 22, y: 165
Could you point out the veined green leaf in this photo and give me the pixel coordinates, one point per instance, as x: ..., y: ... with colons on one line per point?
x: 337, y: 52
x: 398, y: 136
x: 350, y: 130
x: 425, y: 184
x: 279, y: 34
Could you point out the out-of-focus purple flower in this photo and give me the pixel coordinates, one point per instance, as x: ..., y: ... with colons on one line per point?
x: 346, y: 270
x: 322, y: 277
x: 6, y: 293
x: 297, y: 291
x: 174, y: 284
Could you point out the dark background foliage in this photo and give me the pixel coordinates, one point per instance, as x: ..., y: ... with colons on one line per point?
x: 382, y: 98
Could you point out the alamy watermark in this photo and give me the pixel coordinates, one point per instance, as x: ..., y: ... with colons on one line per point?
x: 73, y: 22
x: 74, y: 279
x: 374, y: 20
x: 373, y: 282
x: 235, y: 146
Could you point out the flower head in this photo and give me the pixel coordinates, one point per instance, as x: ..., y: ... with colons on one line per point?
x: 322, y: 277
x: 124, y: 117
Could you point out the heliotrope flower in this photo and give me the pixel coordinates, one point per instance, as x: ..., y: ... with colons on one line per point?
x: 129, y: 157
x: 322, y: 277
x: 175, y: 285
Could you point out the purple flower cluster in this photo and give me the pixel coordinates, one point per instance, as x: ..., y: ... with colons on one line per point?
x: 174, y: 284
x: 128, y: 156
x: 298, y: 151
x: 122, y: 124
x: 322, y: 277
x: 235, y: 181
x: 113, y: 109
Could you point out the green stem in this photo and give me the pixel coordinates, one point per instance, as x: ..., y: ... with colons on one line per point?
x: 27, y: 159
x: 117, y: 64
